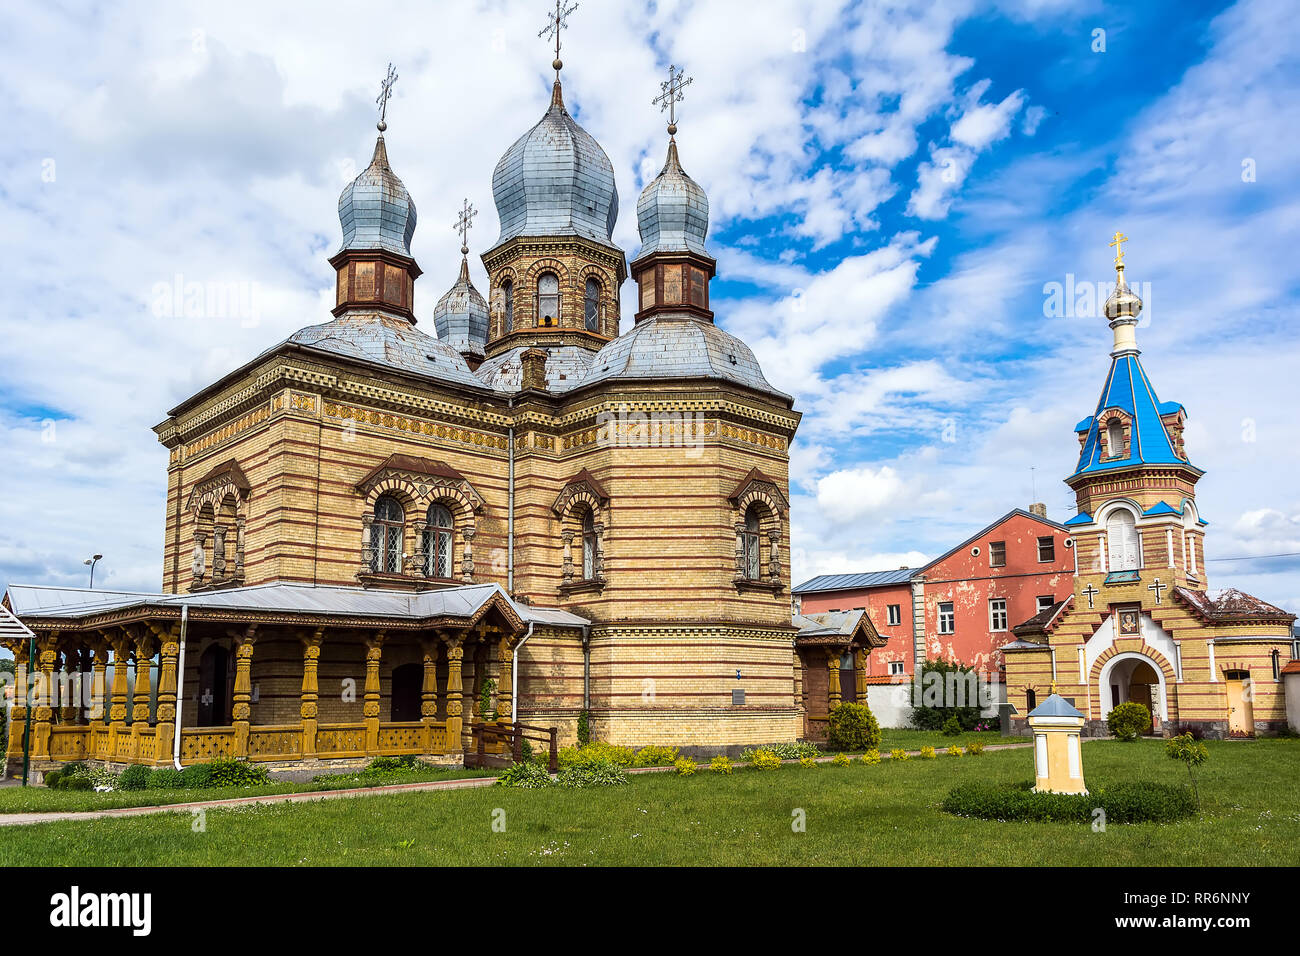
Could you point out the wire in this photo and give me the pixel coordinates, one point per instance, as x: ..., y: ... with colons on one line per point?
x: 1258, y: 557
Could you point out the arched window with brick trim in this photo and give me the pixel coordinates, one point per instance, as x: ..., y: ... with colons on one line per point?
x: 1114, y: 438
x: 548, y: 299
x: 386, y: 536
x: 753, y: 544
x: 591, y: 303
x: 588, y: 545
x: 438, y: 542
x: 508, y: 300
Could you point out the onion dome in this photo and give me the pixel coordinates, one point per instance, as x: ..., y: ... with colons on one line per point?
x: 672, y: 214
x: 556, y: 180
x: 461, y: 315
x: 1123, y: 302
x: 375, y: 209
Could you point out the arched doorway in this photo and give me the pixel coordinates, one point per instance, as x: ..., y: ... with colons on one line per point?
x: 1133, y: 677
x: 406, y: 684
x: 215, y: 687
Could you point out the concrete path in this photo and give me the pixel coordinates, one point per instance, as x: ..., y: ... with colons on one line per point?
x: 24, y: 819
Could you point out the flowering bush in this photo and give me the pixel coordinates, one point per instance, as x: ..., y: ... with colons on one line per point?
x: 685, y: 766
x: 596, y: 773
x: 898, y: 754
x: 808, y: 761
x: 655, y: 757
x: 525, y: 776
x: 927, y: 752
x: 954, y: 751
x: 974, y: 748
x: 721, y: 765
x: 764, y: 759
x: 596, y: 752
x: 786, y: 751
x: 841, y: 760
x: 870, y: 757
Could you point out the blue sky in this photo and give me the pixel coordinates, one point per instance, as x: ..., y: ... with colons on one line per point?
x: 893, y: 188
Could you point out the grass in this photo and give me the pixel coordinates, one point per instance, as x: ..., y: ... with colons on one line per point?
x: 858, y: 815
x: 44, y: 800
x: 916, y: 739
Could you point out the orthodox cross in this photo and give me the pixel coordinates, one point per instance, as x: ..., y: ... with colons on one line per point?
x: 671, y: 94
x: 557, y: 22
x: 385, y: 93
x: 1092, y: 592
x: 1157, y: 587
x: 464, y: 222
x: 1118, y: 243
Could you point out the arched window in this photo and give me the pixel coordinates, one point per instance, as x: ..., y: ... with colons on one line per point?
x: 386, y: 536
x: 508, y: 295
x: 1122, y: 541
x: 1114, y: 438
x: 592, y: 305
x: 751, y: 545
x: 437, y: 543
x: 548, y: 299
x: 588, y: 546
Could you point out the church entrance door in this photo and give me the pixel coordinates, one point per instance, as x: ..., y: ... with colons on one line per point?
x: 1241, y: 711
x: 215, y: 687
x: 407, y: 684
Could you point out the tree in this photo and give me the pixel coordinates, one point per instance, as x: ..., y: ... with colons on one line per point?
x: 1192, y: 753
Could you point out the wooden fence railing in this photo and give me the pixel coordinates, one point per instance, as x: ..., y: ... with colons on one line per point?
x: 513, y: 735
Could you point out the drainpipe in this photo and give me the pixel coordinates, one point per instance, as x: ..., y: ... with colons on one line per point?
x: 586, y: 670
x: 514, y: 677
x: 510, y: 507
x: 180, y: 687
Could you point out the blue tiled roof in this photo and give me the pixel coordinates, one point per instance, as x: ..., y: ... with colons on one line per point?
x: 1081, y: 518
x: 846, y: 582
x: 1160, y: 508
x: 1128, y: 388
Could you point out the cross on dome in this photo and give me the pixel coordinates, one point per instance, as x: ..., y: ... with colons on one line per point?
x: 556, y: 23
x: 671, y: 94
x: 385, y: 93
x: 464, y: 222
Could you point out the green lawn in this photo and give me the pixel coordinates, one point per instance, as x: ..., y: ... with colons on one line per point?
x: 43, y: 800
x: 916, y: 739
x: 865, y: 815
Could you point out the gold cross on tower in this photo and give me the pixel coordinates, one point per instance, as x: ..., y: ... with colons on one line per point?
x: 557, y: 22
x: 385, y: 93
x: 671, y: 94
x: 1118, y: 243
x: 464, y: 222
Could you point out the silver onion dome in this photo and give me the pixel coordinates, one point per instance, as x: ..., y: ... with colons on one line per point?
x: 375, y: 209
x: 461, y: 315
x: 672, y: 214
x: 556, y: 180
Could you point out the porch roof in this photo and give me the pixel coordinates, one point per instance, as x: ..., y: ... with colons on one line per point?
x: 836, y: 628
x: 464, y: 602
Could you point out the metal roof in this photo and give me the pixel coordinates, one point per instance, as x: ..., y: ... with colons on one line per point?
x: 847, y: 582
x: 1128, y: 389
x: 461, y: 315
x: 672, y: 214
x: 464, y: 601
x: 1055, y: 706
x: 10, y: 627
x: 565, y: 367
x: 375, y: 210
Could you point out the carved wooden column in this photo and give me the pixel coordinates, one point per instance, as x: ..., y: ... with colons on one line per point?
x: 455, y: 694
x: 68, y: 685
x: 370, y: 709
x: 43, y: 714
x: 144, y: 651
x: 833, y: 696
x: 168, y: 653
x: 18, y: 713
x: 429, y: 690
x: 506, y: 658
x: 241, y: 709
x: 99, y: 680
x: 85, y: 683
x: 117, y: 704
x: 309, y: 707
x: 860, y: 674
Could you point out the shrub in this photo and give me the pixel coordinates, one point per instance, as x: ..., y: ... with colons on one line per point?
x: 841, y: 760
x: 932, y: 712
x: 584, y: 728
x: 653, y: 756
x: 898, y: 754
x: 720, y: 764
x: 764, y: 759
x: 76, y: 783
x: 954, y: 751
x: 852, y: 727
x: 685, y: 766
x: 1128, y: 720
x: 787, y: 751
x: 808, y: 761
x: 596, y: 752
x: 1130, y: 802
x: 134, y: 777
x: 525, y: 776
x: 1192, y: 753
x: 974, y: 748
x: 927, y: 752
x: 952, y: 727
x: 392, y: 764
x: 52, y: 779
x: 1195, y: 731
x: 165, y: 778
x: 870, y: 757
x: 234, y: 773
x: 596, y: 773
x: 198, y: 776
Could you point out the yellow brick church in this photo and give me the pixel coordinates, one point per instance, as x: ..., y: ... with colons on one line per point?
x: 1141, y: 624
x: 378, y: 538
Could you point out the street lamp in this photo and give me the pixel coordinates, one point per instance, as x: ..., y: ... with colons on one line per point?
x: 91, y: 562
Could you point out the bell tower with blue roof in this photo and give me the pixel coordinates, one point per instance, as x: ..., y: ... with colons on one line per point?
x: 1134, y: 483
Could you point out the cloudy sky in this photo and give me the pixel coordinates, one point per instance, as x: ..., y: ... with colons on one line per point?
x: 895, y: 190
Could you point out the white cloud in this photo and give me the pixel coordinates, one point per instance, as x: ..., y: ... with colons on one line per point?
x: 857, y: 493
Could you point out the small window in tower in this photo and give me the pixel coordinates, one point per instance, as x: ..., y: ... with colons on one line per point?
x: 508, y: 296
x: 699, y: 288
x: 437, y: 542
x: 672, y: 285
x: 1114, y: 438
x: 753, y: 564
x: 588, y: 546
x: 592, y: 305
x: 548, y: 299
x: 364, y: 286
